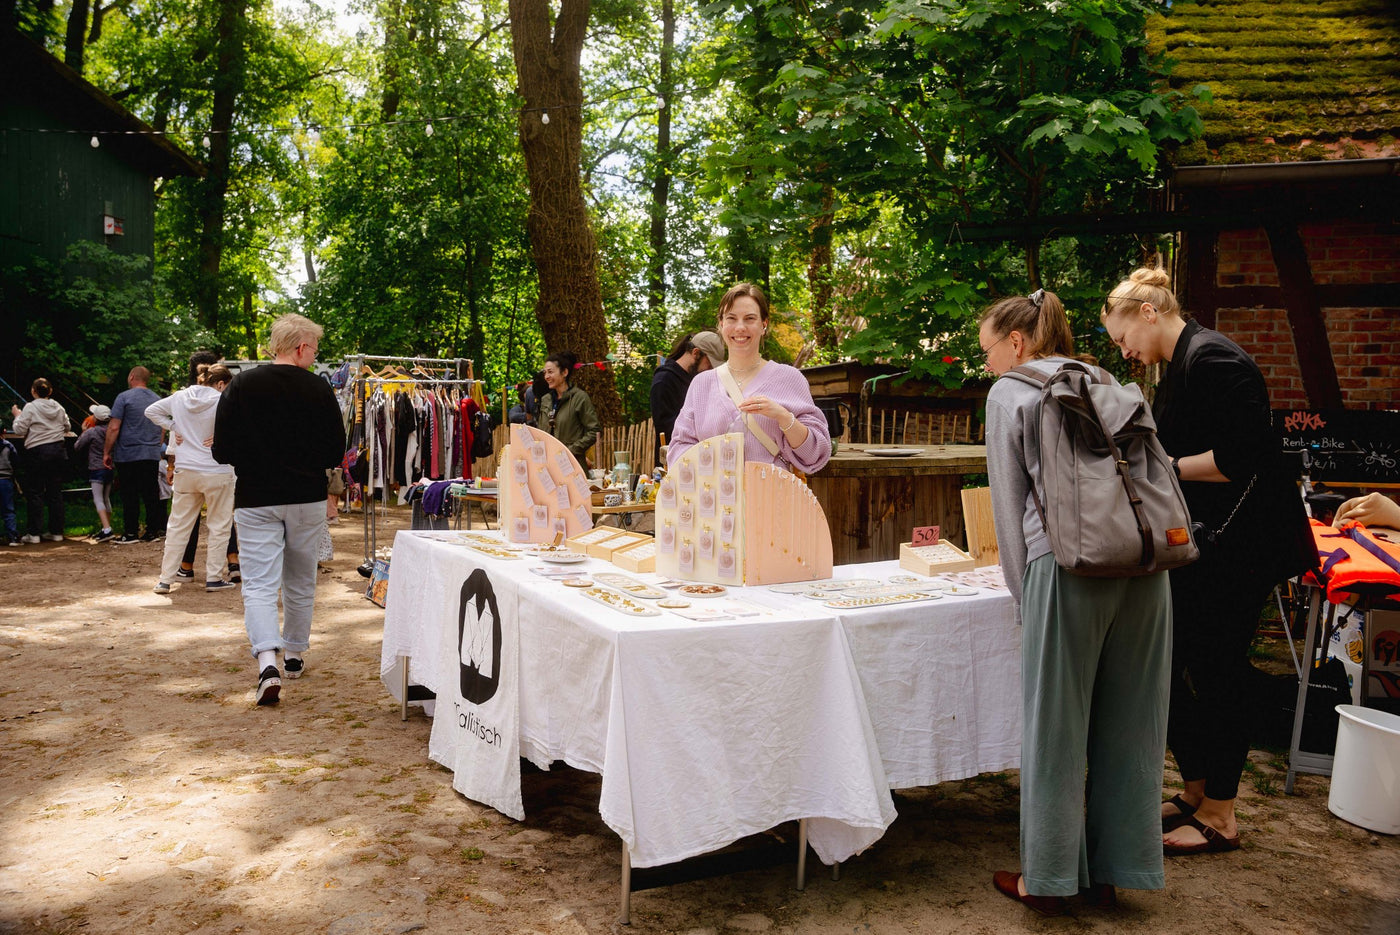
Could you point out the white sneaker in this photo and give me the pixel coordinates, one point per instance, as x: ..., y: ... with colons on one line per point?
x: 52, y: 537
x: 293, y: 667
x: 30, y: 540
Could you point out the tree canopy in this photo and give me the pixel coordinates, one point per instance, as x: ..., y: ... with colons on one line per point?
x: 500, y: 180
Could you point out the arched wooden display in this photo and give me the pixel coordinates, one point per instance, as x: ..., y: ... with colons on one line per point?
x: 542, y: 489
x: 724, y: 521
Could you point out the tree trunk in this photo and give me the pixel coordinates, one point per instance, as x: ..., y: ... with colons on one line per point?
x: 819, y: 272
x: 73, y: 44
x: 570, y: 303
x: 661, y: 184
x: 228, y: 82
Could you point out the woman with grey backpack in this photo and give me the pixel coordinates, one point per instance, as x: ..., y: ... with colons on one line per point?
x: 1094, y: 653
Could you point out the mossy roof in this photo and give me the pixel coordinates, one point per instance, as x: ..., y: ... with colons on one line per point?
x: 1291, y: 80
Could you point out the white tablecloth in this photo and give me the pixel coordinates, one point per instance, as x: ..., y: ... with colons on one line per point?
x: 707, y: 732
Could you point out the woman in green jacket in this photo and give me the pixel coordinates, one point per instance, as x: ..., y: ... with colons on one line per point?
x: 571, y: 419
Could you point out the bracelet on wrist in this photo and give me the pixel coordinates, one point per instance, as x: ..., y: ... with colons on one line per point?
x: 1176, y: 467
x: 791, y: 422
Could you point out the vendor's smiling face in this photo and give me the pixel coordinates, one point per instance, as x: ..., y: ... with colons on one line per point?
x: 554, y: 377
x: 741, y: 325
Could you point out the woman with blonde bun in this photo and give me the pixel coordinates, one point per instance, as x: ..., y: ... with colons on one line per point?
x: 1213, y: 418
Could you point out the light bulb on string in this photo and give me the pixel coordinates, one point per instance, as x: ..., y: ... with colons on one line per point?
x: 544, y: 118
x: 93, y: 142
x: 428, y: 130
x: 661, y: 103
x: 205, y: 141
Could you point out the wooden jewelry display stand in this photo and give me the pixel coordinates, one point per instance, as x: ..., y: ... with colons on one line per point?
x: 543, y: 491
x: 724, y: 521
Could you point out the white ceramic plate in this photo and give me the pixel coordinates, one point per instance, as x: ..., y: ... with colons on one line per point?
x: 893, y: 452
x: 703, y: 590
x: 563, y: 558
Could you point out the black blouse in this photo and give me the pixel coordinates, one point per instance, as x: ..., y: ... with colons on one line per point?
x: 1213, y: 398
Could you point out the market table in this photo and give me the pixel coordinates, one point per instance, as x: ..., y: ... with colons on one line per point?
x: 705, y: 731
x: 872, y: 501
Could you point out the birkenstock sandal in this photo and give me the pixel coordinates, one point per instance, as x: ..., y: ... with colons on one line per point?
x: 1009, y: 885
x: 1214, y: 843
x: 1184, y: 810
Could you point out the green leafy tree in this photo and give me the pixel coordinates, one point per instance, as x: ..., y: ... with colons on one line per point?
x: 941, y: 115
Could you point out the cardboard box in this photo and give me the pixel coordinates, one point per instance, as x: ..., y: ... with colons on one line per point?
x: 934, y: 559
x: 637, y: 556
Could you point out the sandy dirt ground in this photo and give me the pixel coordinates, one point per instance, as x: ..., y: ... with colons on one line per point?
x: 142, y: 791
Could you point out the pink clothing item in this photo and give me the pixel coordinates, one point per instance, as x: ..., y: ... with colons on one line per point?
x: 709, y: 411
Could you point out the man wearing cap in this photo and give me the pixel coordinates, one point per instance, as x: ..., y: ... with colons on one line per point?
x: 694, y: 353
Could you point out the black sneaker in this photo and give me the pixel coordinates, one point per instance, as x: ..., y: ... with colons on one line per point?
x: 152, y: 536
x: 293, y: 667
x: 102, y: 535
x: 234, y: 572
x: 269, y: 686
x: 185, y: 573
x: 218, y: 584
x: 127, y: 539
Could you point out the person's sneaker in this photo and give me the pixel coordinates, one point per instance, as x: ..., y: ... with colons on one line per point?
x: 161, y: 588
x: 269, y: 686
x: 102, y: 535
x: 30, y: 540
x: 218, y: 584
x: 185, y: 573
x: 52, y: 537
x: 152, y: 536
x: 234, y: 572
x: 14, y: 540
x: 293, y: 667
x: 127, y: 539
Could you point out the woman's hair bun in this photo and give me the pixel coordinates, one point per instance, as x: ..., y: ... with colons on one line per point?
x: 1149, y: 276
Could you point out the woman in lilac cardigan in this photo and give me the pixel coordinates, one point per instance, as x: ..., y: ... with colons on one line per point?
x: 773, y: 394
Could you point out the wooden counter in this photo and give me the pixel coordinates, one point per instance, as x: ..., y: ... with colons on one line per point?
x: 872, y: 502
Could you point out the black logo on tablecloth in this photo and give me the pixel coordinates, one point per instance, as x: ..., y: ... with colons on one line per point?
x: 479, y: 639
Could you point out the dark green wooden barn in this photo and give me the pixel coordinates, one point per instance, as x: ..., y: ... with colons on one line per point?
x: 56, y: 188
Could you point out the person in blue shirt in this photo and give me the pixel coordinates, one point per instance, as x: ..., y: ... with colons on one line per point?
x: 133, y: 450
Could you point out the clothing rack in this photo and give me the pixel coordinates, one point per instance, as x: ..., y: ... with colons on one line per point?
x: 364, y: 381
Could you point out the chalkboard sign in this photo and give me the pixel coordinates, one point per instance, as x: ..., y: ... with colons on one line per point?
x: 1344, y: 445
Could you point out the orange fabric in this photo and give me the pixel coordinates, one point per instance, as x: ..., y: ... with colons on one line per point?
x: 1349, y: 560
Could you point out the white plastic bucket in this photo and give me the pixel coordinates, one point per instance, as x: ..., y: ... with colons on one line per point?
x: 1366, y: 769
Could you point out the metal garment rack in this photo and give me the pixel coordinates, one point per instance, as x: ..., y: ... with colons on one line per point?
x: 454, y: 364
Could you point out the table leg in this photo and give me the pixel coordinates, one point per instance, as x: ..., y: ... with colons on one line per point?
x: 403, y: 688
x: 801, y: 853
x: 1299, y: 760
x: 624, y: 916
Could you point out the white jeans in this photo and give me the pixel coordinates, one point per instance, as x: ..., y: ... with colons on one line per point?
x: 191, y: 490
x: 277, y: 551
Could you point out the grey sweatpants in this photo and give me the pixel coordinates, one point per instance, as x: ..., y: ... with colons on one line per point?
x: 1095, y: 664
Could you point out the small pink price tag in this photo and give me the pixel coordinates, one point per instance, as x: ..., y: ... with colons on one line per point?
x: 925, y: 535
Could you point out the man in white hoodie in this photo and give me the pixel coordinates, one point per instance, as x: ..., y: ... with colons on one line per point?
x: 199, y: 479
x: 43, y: 423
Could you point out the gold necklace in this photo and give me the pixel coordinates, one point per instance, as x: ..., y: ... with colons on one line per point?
x: 744, y: 374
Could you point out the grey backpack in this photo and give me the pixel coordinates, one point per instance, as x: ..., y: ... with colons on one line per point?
x: 1109, y: 500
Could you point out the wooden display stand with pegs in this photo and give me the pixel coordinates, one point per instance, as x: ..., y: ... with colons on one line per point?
x: 542, y: 490
x: 725, y: 521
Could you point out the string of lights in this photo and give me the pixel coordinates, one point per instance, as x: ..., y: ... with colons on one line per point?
x: 313, y: 127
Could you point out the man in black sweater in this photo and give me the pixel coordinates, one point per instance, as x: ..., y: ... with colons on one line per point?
x: 280, y: 428
x: 694, y: 353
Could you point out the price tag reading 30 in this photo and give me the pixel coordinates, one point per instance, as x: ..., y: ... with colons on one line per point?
x: 925, y: 535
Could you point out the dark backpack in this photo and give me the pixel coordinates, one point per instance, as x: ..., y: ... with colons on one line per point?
x: 482, y: 425
x: 1109, y: 499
